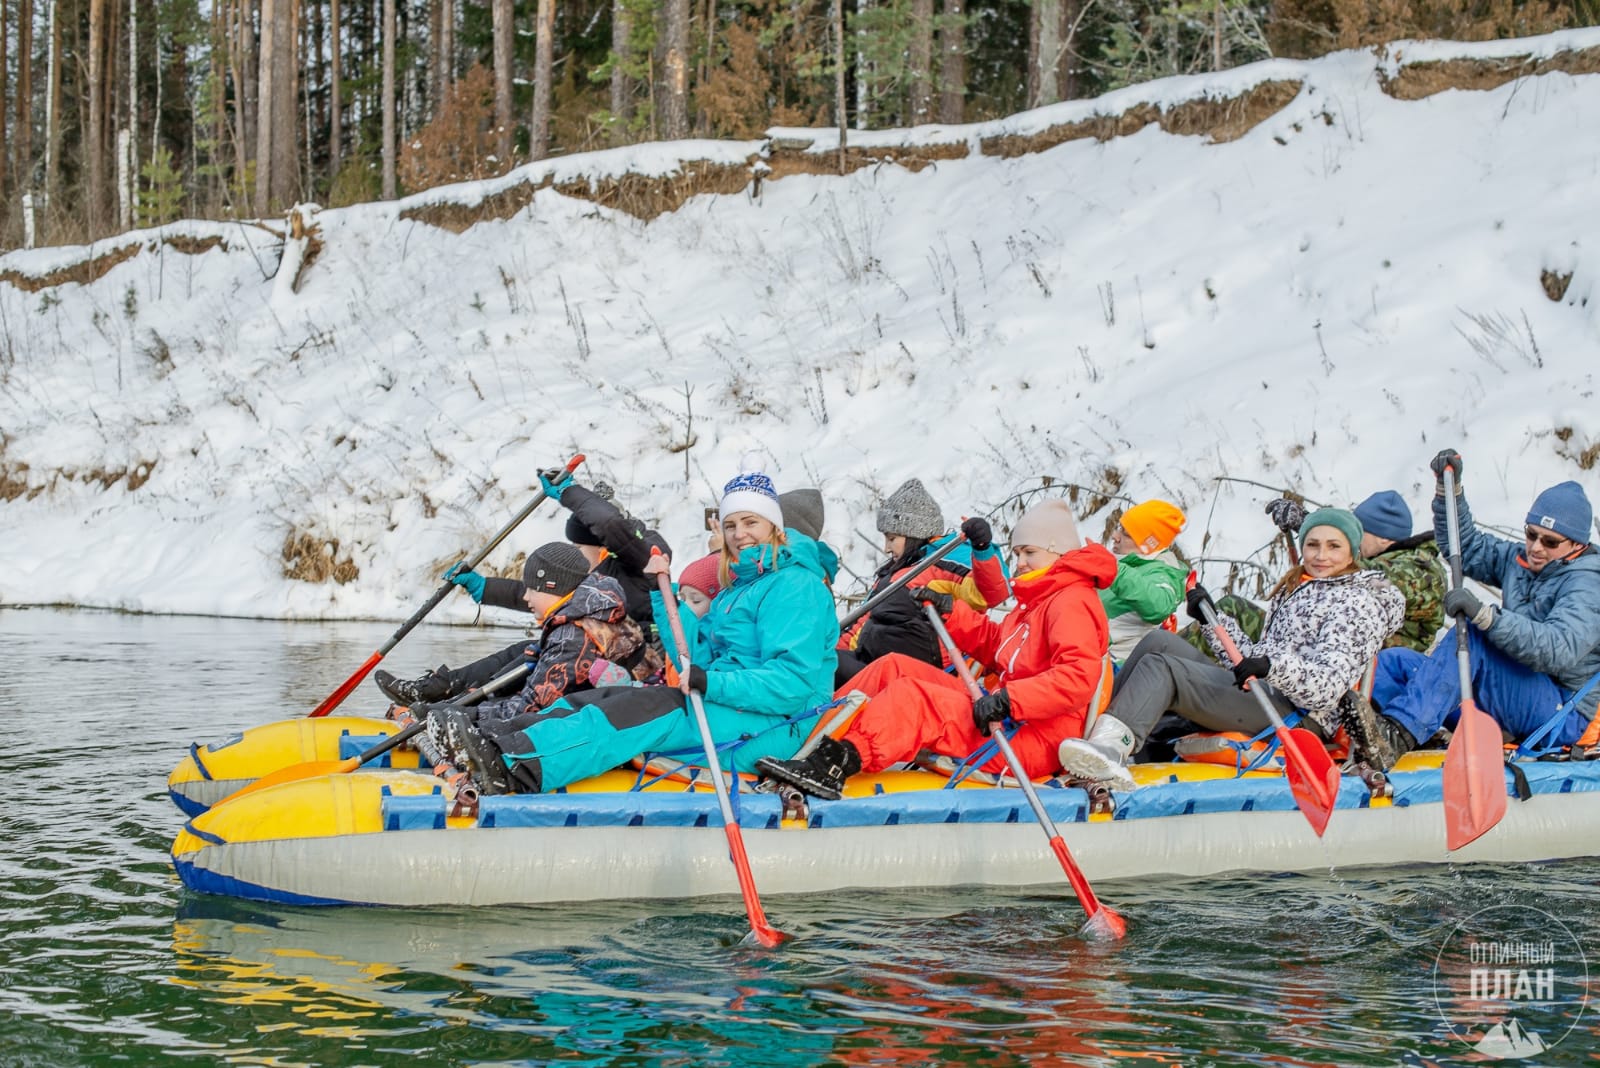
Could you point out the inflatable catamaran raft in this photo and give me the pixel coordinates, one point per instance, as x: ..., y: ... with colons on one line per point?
x: 395, y: 835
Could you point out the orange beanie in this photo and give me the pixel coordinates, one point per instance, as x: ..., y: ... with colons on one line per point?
x: 1153, y: 525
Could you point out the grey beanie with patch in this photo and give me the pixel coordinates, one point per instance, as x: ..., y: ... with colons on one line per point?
x: 911, y: 511
x: 555, y: 568
x: 802, y: 510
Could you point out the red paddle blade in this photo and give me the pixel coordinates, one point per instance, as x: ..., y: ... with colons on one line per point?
x: 1313, y: 778
x: 763, y: 932
x: 1105, y: 925
x: 1474, y: 777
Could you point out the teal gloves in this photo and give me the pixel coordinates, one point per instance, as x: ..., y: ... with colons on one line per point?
x: 470, y: 581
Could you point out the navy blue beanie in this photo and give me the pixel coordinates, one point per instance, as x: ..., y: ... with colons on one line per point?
x: 1385, y: 515
x: 1563, y: 508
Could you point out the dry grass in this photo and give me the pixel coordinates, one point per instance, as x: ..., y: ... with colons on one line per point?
x: 310, y: 558
x: 95, y: 267
x: 1219, y: 120
x: 14, y: 482
x: 1416, y: 81
x: 1555, y: 285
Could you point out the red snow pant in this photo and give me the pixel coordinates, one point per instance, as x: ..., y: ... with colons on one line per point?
x: 914, y: 706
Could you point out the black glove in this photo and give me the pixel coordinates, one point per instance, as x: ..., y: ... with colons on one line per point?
x: 942, y: 603
x: 1194, y: 599
x: 1250, y: 667
x: 1462, y: 603
x: 1446, y: 458
x: 697, y: 678
x: 990, y: 708
x: 1287, y: 514
x: 979, y: 534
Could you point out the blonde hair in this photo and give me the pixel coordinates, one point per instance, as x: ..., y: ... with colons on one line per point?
x: 730, y: 555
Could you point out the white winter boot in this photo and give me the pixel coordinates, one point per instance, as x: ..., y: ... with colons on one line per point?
x: 1101, y: 757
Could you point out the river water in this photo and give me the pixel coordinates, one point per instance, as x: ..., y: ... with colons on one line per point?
x: 105, y: 959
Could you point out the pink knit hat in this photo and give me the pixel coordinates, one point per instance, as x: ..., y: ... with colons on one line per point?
x: 702, y: 575
x: 1049, y: 525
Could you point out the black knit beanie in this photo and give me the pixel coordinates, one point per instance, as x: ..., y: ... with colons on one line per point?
x: 555, y: 568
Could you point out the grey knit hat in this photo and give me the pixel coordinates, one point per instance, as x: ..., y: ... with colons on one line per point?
x: 911, y: 511
x: 802, y: 510
x: 555, y: 568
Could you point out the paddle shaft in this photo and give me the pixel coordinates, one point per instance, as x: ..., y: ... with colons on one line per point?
x: 336, y: 698
x: 899, y: 584
x: 1232, y: 650
x: 763, y: 931
x: 1080, y: 884
x: 1452, y: 526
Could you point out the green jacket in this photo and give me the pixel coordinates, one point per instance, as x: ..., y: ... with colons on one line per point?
x: 1415, y: 568
x: 1146, y: 591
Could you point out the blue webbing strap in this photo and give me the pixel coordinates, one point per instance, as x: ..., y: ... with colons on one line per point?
x: 1529, y: 747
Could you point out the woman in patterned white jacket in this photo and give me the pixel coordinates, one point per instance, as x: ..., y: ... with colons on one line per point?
x: 1325, y: 622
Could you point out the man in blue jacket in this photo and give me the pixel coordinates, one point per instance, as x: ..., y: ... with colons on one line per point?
x: 1530, y: 654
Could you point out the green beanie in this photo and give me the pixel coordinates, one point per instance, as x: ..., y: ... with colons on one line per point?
x: 1345, y: 522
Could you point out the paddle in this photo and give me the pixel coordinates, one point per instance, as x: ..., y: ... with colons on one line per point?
x: 336, y: 698
x: 316, y: 768
x: 1474, y: 776
x: 899, y: 584
x: 760, y: 929
x: 1102, y: 922
x: 1313, y: 778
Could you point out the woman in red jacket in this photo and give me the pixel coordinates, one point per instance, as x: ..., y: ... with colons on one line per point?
x: 1049, y: 656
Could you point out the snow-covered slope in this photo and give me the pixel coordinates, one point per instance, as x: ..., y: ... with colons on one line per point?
x: 1321, y: 303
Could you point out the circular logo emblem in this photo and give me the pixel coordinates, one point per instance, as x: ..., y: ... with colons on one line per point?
x: 1511, y: 981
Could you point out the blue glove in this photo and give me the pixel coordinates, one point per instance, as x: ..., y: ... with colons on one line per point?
x: 555, y: 482
x: 470, y: 581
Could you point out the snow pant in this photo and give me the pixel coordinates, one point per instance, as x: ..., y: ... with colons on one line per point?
x: 481, y: 671
x: 586, y: 733
x: 850, y: 665
x: 1422, y: 692
x: 1164, y: 673
x: 914, y: 706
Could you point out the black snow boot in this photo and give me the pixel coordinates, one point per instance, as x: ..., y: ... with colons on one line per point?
x: 452, y: 730
x: 1374, y: 737
x: 822, y: 774
x: 434, y: 686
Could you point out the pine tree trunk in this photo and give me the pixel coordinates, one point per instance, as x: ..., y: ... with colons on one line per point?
x: 621, y: 84
x: 675, y: 68
x: 95, y: 147
x: 543, y: 91
x: 285, y: 113
x: 447, y: 51
x: 247, y: 85
x: 1044, y: 53
x: 501, y: 10
x: 23, y: 135
x: 387, y: 103
x: 265, y: 89
x: 841, y: 112
x: 335, y: 93
x: 132, y: 210
x: 920, y: 60
x: 5, y: 113
x: 1066, y: 80
x: 953, y: 63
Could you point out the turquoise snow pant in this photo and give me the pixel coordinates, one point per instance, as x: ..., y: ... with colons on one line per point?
x: 586, y: 733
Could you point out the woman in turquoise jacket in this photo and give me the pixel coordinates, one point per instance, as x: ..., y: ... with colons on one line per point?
x: 762, y: 655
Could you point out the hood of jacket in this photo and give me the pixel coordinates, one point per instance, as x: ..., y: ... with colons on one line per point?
x: 597, y: 597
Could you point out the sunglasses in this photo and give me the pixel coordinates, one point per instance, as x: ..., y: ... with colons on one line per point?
x: 1549, y: 541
